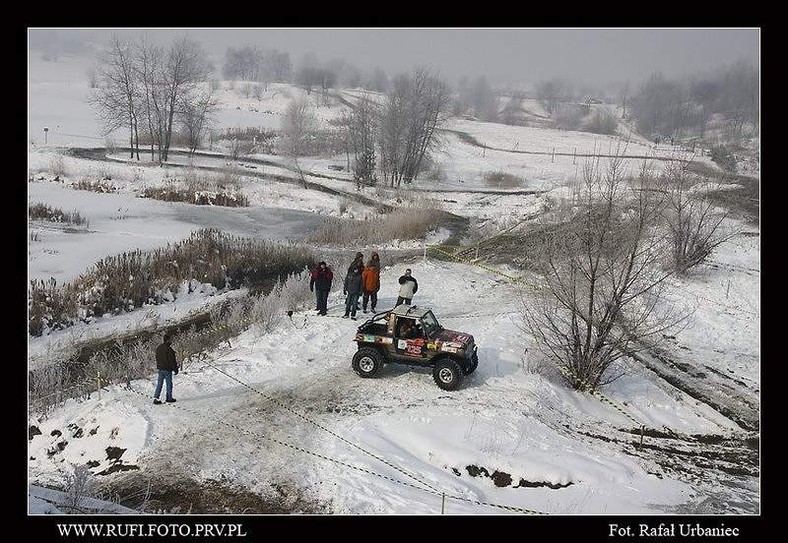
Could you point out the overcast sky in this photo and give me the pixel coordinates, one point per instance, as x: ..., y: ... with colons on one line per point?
x: 504, y: 55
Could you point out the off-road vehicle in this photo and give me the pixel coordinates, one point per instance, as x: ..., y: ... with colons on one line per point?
x: 412, y: 335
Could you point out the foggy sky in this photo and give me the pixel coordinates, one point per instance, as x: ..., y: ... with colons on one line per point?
x: 596, y: 56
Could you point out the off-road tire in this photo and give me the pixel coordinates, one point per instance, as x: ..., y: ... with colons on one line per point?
x: 447, y: 374
x: 367, y: 362
x: 474, y: 364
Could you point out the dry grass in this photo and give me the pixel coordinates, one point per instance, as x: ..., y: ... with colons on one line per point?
x: 120, y: 283
x: 412, y: 222
x: 44, y: 212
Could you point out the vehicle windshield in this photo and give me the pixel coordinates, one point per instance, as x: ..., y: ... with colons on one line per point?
x: 430, y: 323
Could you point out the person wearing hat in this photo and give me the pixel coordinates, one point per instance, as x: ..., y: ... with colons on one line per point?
x: 320, y: 284
x: 167, y: 365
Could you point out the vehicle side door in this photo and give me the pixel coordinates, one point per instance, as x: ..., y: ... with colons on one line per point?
x: 412, y: 346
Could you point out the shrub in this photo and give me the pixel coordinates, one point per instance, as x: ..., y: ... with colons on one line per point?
x: 723, y: 156
x: 44, y: 212
x: 123, y: 282
x: 502, y: 180
x: 100, y: 185
x: 58, y: 165
x: 601, y: 122
x: 197, y: 197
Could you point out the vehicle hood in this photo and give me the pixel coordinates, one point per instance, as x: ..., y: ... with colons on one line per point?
x: 451, y: 339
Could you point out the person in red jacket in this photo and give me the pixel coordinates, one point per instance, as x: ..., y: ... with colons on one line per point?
x: 320, y: 284
x: 371, y: 283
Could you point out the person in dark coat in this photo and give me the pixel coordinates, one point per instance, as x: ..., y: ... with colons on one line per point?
x: 320, y: 284
x: 167, y: 365
x: 352, y: 290
x: 408, y: 287
x: 371, y: 283
x: 357, y: 262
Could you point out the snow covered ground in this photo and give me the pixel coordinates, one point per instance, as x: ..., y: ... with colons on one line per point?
x: 281, y: 417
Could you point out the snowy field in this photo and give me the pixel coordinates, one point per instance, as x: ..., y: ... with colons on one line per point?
x: 283, y: 413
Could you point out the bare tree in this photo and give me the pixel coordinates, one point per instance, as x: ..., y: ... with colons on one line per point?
x: 116, y: 100
x: 413, y: 110
x: 298, y: 126
x: 602, y: 278
x: 362, y: 129
x: 485, y: 102
x: 277, y: 65
x: 197, y: 116
x: 552, y: 92
x: 185, y: 67
x: 695, y: 224
x: 149, y: 59
x: 245, y: 63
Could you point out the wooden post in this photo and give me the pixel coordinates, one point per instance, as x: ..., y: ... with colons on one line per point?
x: 443, y: 503
x: 552, y: 159
x: 575, y: 156
x: 641, y: 435
x: 98, y: 384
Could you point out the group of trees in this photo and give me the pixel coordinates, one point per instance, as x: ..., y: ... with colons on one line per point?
x: 150, y: 91
x: 392, y: 135
x: 669, y: 107
x: 250, y: 63
x: 476, y: 98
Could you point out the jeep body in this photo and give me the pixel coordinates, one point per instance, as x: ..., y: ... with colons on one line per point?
x: 381, y: 340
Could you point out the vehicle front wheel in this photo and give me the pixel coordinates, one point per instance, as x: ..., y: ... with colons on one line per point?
x: 367, y: 362
x: 474, y: 363
x: 447, y: 374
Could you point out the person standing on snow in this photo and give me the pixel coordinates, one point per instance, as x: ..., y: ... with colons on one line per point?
x: 371, y: 283
x: 320, y: 284
x: 357, y: 262
x: 408, y: 287
x: 167, y: 365
x: 352, y: 290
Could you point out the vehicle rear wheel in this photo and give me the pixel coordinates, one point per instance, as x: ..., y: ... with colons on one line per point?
x: 447, y: 374
x: 367, y: 362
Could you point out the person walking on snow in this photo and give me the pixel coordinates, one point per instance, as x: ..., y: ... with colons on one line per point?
x: 167, y: 365
x: 352, y: 290
x: 371, y: 282
x: 408, y: 287
x: 320, y: 284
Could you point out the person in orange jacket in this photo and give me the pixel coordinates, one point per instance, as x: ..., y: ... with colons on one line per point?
x: 371, y: 283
